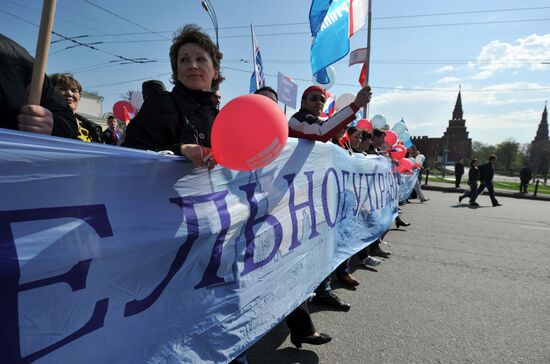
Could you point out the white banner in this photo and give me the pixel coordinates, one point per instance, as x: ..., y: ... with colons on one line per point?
x: 287, y: 90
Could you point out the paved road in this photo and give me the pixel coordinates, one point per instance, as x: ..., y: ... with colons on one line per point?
x: 463, y: 286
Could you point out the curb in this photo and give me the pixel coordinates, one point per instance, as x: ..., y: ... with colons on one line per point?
x: 497, y: 193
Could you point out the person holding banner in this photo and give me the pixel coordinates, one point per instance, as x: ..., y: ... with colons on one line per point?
x: 302, y: 330
x: 306, y: 123
x: 181, y: 120
x: 51, y: 117
x: 70, y: 89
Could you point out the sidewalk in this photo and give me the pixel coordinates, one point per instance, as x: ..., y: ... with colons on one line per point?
x: 448, y: 187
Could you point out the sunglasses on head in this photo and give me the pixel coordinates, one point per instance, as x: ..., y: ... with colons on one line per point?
x: 316, y: 98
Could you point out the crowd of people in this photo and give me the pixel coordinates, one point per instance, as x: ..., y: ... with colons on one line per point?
x: 180, y: 122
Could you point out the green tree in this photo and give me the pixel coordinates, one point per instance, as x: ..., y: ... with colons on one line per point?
x: 482, y: 151
x: 507, y: 156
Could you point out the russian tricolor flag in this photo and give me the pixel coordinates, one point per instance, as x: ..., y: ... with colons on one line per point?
x: 330, y: 105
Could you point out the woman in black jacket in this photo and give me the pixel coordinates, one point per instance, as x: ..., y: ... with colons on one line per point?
x: 473, y: 177
x: 181, y: 120
x: 71, y: 90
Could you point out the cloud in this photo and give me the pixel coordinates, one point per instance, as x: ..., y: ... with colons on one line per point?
x: 447, y: 80
x: 525, y: 53
x: 507, y: 94
x: 444, y: 69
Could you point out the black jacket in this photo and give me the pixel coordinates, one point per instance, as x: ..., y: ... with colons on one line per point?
x: 486, y: 172
x: 473, y: 174
x: 459, y: 168
x: 15, y: 75
x: 167, y: 121
x: 525, y: 174
x: 109, y: 137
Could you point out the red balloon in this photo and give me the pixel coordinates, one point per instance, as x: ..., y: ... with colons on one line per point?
x: 364, y: 124
x: 249, y: 132
x: 405, y: 165
x: 398, y: 152
x: 118, y: 110
x: 391, y: 137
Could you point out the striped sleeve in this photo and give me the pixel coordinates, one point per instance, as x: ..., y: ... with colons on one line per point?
x: 325, y: 131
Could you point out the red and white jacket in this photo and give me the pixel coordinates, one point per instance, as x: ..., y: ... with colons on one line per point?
x: 304, y: 125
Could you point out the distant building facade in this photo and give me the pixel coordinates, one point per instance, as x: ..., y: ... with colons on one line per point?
x: 540, y: 147
x: 455, y: 140
x: 90, y: 106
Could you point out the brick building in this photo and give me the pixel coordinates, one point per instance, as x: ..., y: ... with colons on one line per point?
x: 455, y: 140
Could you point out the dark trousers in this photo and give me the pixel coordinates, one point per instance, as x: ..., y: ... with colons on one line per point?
x: 491, y: 190
x: 458, y: 178
x: 523, y: 186
x: 364, y: 253
x: 299, y: 322
x: 472, y: 193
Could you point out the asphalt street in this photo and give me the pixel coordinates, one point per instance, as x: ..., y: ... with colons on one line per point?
x: 463, y: 285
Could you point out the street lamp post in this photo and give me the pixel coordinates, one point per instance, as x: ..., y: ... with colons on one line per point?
x: 207, y: 5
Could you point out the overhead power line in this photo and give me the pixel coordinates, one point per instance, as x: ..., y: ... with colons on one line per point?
x: 87, y: 45
x: 307, y: 33
x: 396, y: 88
x: 123, y: 18
x: 374, y: 18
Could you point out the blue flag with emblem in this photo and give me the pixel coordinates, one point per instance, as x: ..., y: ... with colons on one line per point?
x: 330, y: 32
x: 257, y: 80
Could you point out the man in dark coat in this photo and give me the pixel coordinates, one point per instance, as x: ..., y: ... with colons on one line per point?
x: 52, y: 117
x: 486, y: 173
x: 459, y: 171
x: 525, y: 176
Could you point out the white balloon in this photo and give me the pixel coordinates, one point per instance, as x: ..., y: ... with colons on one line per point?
x: 136, y: 100
x: 331, y: 77
x: 420, y: 159
x: 378, y: 121
x: 343, y: 100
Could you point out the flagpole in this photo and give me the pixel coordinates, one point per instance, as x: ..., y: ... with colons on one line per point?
x: 369, y: 17
x: 253, y: 54
x: 42, y: 49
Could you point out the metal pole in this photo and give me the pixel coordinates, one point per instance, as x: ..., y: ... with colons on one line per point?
x: 253, y: 54
x: 207, y: 5
x: 427, y: 174
x: 369, y: 18
x: 536, y: 188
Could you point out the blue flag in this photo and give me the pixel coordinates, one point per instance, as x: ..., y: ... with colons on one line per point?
x: 258, y: 79
x: 317, y: 13
x: 331, y: 42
